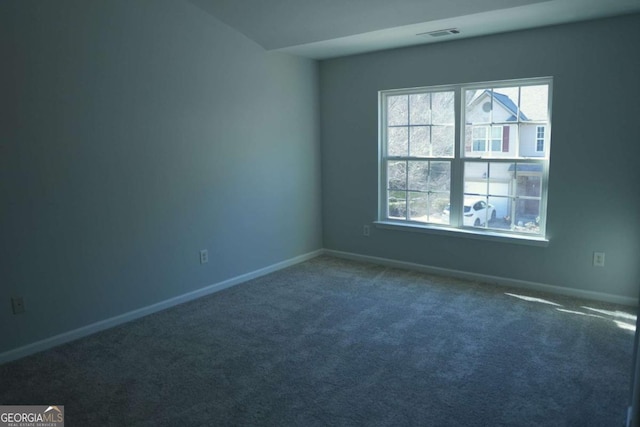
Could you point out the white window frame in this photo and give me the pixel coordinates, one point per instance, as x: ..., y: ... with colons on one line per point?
x: 409, y: 158
x: 456, y: 227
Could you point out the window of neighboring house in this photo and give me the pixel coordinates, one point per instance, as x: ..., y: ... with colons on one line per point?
x: 466, y: 157
x: 540, y: 139
x: 488, y: 138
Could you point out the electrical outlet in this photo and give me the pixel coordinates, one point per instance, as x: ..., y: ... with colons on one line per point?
x: 598, y: 259
x: 366, y: 231
x: 204, y: 256
x: 17, y: 305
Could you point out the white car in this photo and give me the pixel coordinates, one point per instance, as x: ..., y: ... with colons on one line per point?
x: 476, y: 212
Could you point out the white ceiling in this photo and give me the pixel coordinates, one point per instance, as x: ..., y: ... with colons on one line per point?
x: 329, y: 28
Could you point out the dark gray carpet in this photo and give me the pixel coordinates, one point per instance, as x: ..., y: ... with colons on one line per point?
x: 335, y: 342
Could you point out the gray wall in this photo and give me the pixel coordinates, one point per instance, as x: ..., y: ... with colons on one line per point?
x: 133, y: 134
x: 594, y: 204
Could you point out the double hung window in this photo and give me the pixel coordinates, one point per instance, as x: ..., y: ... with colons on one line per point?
x: 472, y: 156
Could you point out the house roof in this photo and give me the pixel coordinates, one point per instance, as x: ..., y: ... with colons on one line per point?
x: 526, y: 167
x: 509, y: 105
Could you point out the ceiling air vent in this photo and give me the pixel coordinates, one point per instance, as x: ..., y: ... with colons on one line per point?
x: 441, y: 33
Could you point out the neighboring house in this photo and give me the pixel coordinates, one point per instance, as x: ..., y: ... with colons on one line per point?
x: 497, y: 129
x: 492, y: 129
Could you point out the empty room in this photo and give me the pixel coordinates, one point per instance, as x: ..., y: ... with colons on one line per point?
x: 351, y: 212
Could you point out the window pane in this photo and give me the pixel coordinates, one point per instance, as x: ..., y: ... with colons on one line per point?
x: 476, y: 211
x: 530, y: 169
x: 397, y: 110
x: 500, y: 179
x: 419, y: 141
x: 499, y: 216
x: 443, y: 140
x: 528, y: 141
x: 480, y: 132
x: 397, y: 175
x: 397, y: 205
x: 418, y: 207
x: 527, y: 216
x: 443, y: 111
x: 480, y: 138
x: 439, y: 177
x: 505, y: 108
x: 529, y: 185
x: 478, y: 106
x: 398, y: 141
x: 419, y: 108
x: 429, y: 207
x: 535, y: 102
x: 418, y: 176
x: 475, y: 177
x: 475, y: 141
x: 429, y: 185
x: 438, y: 208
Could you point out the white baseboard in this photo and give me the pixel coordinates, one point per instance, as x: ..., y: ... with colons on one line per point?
x: 520, y: 284
x: 84, y: 331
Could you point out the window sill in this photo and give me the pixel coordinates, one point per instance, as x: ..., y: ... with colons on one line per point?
x: 464, y: 233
